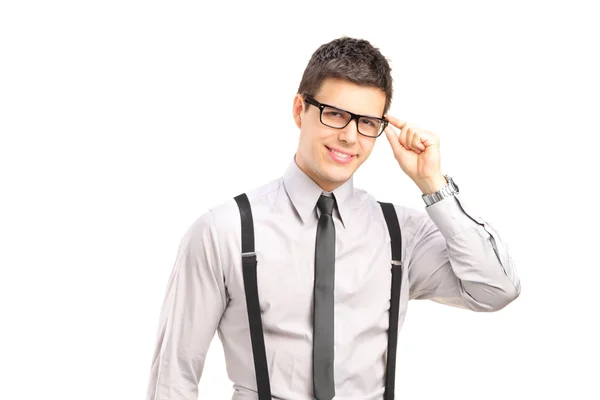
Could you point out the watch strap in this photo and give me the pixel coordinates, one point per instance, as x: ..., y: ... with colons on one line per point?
x: 446, y: 191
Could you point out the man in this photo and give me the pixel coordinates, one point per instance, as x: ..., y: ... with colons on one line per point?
x: 325, y: 308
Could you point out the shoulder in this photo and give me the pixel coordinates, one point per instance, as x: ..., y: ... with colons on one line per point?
x: 411, y: 219
x: 221, y: 223
x: 364, y: 199
x: 224, y: 218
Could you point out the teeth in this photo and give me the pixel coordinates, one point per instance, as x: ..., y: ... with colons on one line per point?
x: 342, y: 155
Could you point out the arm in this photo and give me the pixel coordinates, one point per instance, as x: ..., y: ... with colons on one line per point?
x: 454, y: 257
x: 194, y: 302
x: 460, y: 260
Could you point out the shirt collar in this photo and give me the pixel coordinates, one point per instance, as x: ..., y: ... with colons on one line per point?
x: 304, y: 193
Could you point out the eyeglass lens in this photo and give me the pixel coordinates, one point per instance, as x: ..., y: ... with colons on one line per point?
x: 336, y: 118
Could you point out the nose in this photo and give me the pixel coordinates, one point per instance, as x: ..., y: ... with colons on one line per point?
x: 349, y: 133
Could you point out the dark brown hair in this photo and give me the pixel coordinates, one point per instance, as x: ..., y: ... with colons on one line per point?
x: 354, y: 60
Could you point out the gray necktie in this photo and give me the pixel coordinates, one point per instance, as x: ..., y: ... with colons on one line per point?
x: 323, y: 384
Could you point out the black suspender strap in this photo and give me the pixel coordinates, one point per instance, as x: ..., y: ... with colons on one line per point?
x: 249, y: 263
x: 391, y: 220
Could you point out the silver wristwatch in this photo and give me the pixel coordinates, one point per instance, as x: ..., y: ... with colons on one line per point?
x: 448, y: 190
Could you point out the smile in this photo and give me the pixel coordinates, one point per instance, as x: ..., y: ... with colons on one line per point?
x: 339, y: 157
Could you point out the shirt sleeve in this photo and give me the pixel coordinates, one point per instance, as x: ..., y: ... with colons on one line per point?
x: 458, y: 259
x: 194, y: 302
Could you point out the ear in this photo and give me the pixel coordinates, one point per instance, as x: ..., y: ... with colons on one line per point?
x: 298, y: 110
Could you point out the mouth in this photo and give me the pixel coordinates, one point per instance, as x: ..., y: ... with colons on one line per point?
x: 339, y: 156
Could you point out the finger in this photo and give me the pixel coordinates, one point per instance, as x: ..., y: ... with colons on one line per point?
x: 402, y: 138
x: 393, y: 139
x: 410, y: 133
x: 429, y: 139
x: 417, y: 141
x: 413, y: 140
x: 398, y: 123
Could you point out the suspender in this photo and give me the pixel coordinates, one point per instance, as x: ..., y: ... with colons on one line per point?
x: 391, y: 220
x: 249, y: 263
x: 251, y: 288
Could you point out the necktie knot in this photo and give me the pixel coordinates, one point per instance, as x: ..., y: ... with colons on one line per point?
x: 326, y: 204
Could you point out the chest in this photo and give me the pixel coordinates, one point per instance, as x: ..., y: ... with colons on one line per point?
x: 285, y: 273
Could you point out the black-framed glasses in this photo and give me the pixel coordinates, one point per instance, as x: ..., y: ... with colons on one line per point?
x: 337, y: 118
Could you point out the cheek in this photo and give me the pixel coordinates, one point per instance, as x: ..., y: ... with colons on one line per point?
x: 366, y: 145
x: 311, y: 139
x: 314, y: 136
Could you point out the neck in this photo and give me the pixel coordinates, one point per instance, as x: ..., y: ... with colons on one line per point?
x: 327, y: 186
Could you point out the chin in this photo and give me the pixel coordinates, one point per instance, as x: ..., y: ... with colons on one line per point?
x: 337, y: 173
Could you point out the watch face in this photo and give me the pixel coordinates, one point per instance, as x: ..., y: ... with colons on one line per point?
x: 452, y: 183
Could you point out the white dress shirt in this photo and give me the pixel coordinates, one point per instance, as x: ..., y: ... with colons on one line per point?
x: 450, y: 256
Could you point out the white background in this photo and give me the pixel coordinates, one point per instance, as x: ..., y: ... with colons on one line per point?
x: 123, y: 121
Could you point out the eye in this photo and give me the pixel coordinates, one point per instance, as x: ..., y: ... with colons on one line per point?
x: 334, y: 114
x: 368, y: 122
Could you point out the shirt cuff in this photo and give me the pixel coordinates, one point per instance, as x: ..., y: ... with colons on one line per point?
x: 450, y: 217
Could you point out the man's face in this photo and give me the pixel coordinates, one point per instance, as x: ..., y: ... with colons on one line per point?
x: 314, y: 155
